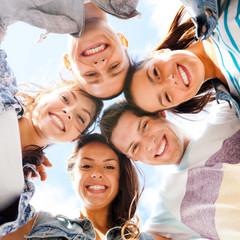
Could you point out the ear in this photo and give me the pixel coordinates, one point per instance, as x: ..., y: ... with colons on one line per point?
x: 131, y: 158
x: 162, y: 114
x: 123, y: 40
x: 67, y: 61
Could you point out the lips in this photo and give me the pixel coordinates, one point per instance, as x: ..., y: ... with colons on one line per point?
x: 57, y: 122
x: 184, y: 75
x: 161, y: 147
x: 97, y: 48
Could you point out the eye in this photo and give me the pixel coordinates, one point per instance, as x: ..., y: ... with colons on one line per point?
x: 167, y: 97
x: 65, y: 99
x: 91, y: 74
x: 86, y: 166
x: 81, y: 119
x: 110, y: 167
x: 114, y: 66
x: 155, y: 73
x: 144, y: 125
x: 134, y: 148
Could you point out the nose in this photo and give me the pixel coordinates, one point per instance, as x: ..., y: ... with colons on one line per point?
x: 149, y: 143
x: 97, y: 174
x: 100, y: 63
x: 68, y: 113
x: 173, y: 80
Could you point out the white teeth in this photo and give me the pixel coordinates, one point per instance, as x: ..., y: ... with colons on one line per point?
x: 57, y: 121
x: 96, y: 187
x: 183, y: 75
x: 162, y: 147
x: 94, y: 50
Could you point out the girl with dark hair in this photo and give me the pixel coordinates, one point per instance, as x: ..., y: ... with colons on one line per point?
x: 107, y: 185
x: 176, y: 75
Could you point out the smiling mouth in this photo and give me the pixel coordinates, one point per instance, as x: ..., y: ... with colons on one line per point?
x: 57, y: 121
x: 94, y: 50
x: 97, y: 187
x: 161, y: 148
x: 183, y: 75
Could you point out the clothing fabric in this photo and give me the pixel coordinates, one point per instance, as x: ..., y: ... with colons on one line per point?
x: 8, y: 87
x: 227, y: 44
x: 200, y: 200
x: 61, y: 16
x: 47, y: 226
x: 25, y: 211
x: 205, y: 23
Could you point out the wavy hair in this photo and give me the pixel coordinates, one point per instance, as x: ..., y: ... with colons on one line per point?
x: 123, y: 207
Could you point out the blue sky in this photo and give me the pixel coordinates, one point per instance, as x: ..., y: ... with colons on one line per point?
x: 41, y: 62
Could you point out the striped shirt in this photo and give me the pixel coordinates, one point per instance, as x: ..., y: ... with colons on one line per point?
x: 226, y: 40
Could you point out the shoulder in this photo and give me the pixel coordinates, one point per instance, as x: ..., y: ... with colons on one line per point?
x: 48, y: 226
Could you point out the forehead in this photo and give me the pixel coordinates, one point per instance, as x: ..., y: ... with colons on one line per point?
x: 97, y: 151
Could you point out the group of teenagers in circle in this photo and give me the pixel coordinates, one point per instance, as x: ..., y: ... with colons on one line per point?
x: 198, y: 62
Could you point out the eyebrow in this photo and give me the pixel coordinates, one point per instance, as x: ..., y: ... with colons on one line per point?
x: 88, y: 113
x: 138, y: 129
x: 149, y: 77
x: 105, y: 160
x: 74, y: 95
x: 160, y: 101
x: 112, y: 75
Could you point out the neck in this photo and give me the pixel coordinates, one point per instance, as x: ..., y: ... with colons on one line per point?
x: 99, y: 218
x: 30, y: 134
x: 205, y: 51
x: 91, y: 11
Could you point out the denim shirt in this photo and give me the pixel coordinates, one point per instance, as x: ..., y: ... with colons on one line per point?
x: 205, y: 23
x: 59, y: 16
x: 47, y: 226
x: 8, y: 87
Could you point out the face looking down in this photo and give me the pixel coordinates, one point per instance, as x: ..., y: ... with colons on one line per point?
x: 167, y: 79
x: 98, y: 60
x: 63, y: 114
x: 154, y: 141
x: 96, y: 175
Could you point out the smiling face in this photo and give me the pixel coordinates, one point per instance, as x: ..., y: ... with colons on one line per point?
x: 167, y: 79
x: 62, y: 115
x: 98, y: 60
x: 154, y: 141
x: 96, y: 175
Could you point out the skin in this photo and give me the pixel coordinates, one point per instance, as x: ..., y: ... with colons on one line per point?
x: 74, y: 110
x: 159, y: 84
x: 95, y: 72
x: 154, y: 141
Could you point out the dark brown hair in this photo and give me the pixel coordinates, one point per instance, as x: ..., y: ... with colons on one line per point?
x: 112, y: 114
x: 180, y: 36
x: 124, y: 206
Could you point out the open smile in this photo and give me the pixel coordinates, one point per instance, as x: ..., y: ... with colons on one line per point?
x: 97, y: 48
x: 97, y: 188
x: 184, y: 75
x: 161, y: 149
x: 57, y: 122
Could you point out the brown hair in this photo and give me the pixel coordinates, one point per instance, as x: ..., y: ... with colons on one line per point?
x: 29, y: 100
x: 180, y: 36
x: 124, y: 206
x: 112, y: 114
